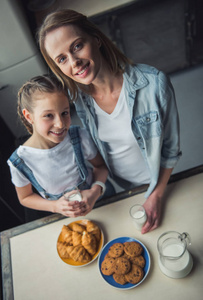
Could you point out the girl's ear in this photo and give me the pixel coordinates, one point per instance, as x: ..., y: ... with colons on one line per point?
x: 27, y: 115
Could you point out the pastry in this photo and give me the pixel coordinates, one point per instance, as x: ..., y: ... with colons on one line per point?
x: 62, y: 250
x: 66, y: 235
x: 78, y: 227
x: 76, y: 238
x: 94, y: 229
x: 89, y: 242
x: 79, y: 253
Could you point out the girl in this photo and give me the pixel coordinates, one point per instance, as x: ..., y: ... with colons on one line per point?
x: 52, y: 159
x: 129, y: 110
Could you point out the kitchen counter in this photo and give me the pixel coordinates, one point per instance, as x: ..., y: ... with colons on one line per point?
x: 32, y: 269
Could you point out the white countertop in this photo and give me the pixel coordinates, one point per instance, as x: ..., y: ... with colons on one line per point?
x: 39, y: 273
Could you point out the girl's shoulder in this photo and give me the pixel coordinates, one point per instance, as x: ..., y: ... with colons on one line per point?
x: 29, y: 142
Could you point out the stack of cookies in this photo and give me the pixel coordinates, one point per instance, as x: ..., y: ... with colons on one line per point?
x: 125, y: 262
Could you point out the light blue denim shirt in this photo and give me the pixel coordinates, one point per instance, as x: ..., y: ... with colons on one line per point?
x: 154, y: 120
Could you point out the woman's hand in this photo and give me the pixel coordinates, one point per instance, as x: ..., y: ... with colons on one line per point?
x: 69, y: 208
x: 152, y: 206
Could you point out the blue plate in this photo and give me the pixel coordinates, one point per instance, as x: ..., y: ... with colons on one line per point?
x: 109, y: 279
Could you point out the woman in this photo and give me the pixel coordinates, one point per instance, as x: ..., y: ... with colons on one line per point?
x: 130, y: 111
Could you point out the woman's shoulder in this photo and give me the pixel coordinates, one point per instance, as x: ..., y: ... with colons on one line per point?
x: 144, y: 68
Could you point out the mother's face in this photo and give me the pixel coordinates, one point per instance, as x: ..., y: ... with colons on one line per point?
x: 76, y: 53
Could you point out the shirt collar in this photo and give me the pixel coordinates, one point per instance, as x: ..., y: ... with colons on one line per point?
x: 135, y: 77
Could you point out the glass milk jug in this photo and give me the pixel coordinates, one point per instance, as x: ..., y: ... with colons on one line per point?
x: 175, y: 260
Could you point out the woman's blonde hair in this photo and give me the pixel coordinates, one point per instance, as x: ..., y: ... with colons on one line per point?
x: 42, y: 84
x: 65, y: 17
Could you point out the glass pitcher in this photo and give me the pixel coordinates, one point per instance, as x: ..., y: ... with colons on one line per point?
x: 174, y: 259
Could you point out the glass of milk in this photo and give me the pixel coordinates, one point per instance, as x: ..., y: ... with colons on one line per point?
x: 73, y: 196
x: 138, y: 216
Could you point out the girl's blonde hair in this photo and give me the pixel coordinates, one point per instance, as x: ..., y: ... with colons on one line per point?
x: 42, y: 84
x: 65, y: 17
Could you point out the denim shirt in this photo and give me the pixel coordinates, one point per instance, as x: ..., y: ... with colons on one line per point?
x: 154, y: 119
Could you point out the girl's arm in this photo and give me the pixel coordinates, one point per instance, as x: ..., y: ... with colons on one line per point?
x: 153, y: 204
x: 32, y: 200
x: 100, y: 173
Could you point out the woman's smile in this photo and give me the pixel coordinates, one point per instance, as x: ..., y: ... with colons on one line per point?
x: 83, y: 72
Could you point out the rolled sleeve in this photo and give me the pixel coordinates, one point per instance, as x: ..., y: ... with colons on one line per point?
x: 170, y: 152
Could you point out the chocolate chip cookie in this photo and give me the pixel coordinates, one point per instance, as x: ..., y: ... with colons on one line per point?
x: 133, y: 248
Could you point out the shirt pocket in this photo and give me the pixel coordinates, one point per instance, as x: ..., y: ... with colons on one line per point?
x: 149, y: 124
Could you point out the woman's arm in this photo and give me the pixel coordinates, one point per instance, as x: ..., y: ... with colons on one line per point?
x: 170, y: 152
x: 153, y: 204
x: 32, y: 200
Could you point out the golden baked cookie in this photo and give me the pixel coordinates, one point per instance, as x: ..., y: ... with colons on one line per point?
x: 107, y: 256
x: 133, y: 248
x: 138, y: 260
x: 135, y: 275
x: 116, y: 250
x: 107, y: 266
x: 125, y: 255
x: 122, y: 266
x: 119, y: 278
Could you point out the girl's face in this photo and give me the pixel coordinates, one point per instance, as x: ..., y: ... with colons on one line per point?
x: 76, y: 53
x: 50, y: 118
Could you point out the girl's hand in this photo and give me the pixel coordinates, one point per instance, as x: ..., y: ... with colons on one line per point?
x: 89, y: 197
x: 69, y: 208
x: 152, y: 206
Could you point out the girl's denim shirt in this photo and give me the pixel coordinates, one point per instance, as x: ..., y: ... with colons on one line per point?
x: 154, y: 119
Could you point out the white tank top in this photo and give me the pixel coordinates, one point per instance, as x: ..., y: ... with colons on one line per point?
x: 125, y: 157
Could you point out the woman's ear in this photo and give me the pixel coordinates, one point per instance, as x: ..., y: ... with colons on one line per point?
x: 27, y: 115
x: 98, y: 41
